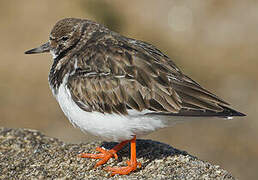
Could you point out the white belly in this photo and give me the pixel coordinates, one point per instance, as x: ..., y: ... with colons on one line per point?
x: 112, y: 127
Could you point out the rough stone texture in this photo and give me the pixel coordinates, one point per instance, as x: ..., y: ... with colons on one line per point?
x: 27, y: 154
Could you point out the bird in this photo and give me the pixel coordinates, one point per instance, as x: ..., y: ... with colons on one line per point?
x: 119, y: 88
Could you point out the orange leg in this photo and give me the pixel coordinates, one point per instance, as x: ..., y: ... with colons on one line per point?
x: 131, y: 165
x: 104, y: 155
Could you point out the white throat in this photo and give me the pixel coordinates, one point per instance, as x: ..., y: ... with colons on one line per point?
x: 54, y: 55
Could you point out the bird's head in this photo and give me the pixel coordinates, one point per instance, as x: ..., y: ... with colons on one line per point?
x: 65, y: 35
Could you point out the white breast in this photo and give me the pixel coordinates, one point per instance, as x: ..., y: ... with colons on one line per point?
x: 112, y: 127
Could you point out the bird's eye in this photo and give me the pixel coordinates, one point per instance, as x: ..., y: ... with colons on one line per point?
x: 65, y: 38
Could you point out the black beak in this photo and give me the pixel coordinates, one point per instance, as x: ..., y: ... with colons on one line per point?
x: 43, y: 48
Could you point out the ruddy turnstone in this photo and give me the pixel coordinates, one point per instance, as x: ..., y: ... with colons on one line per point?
x: 119, y: 88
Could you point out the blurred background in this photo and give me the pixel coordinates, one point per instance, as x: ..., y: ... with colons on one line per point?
x: 214, y: 41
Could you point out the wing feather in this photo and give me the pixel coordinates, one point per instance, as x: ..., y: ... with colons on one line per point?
x: 129, y: 74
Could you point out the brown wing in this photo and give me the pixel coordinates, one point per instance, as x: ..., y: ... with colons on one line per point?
x: 116, y: 74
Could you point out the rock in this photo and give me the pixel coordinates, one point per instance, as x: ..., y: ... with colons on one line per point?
x: 28, y: 154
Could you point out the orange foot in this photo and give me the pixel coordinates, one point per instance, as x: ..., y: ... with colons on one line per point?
x: 132, y: 166
x: 105, y: 155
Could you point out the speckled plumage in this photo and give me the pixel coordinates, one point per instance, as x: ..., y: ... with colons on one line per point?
x: 105, y: 73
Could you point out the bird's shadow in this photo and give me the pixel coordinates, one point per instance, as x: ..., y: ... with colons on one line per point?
x: 146, y: 149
